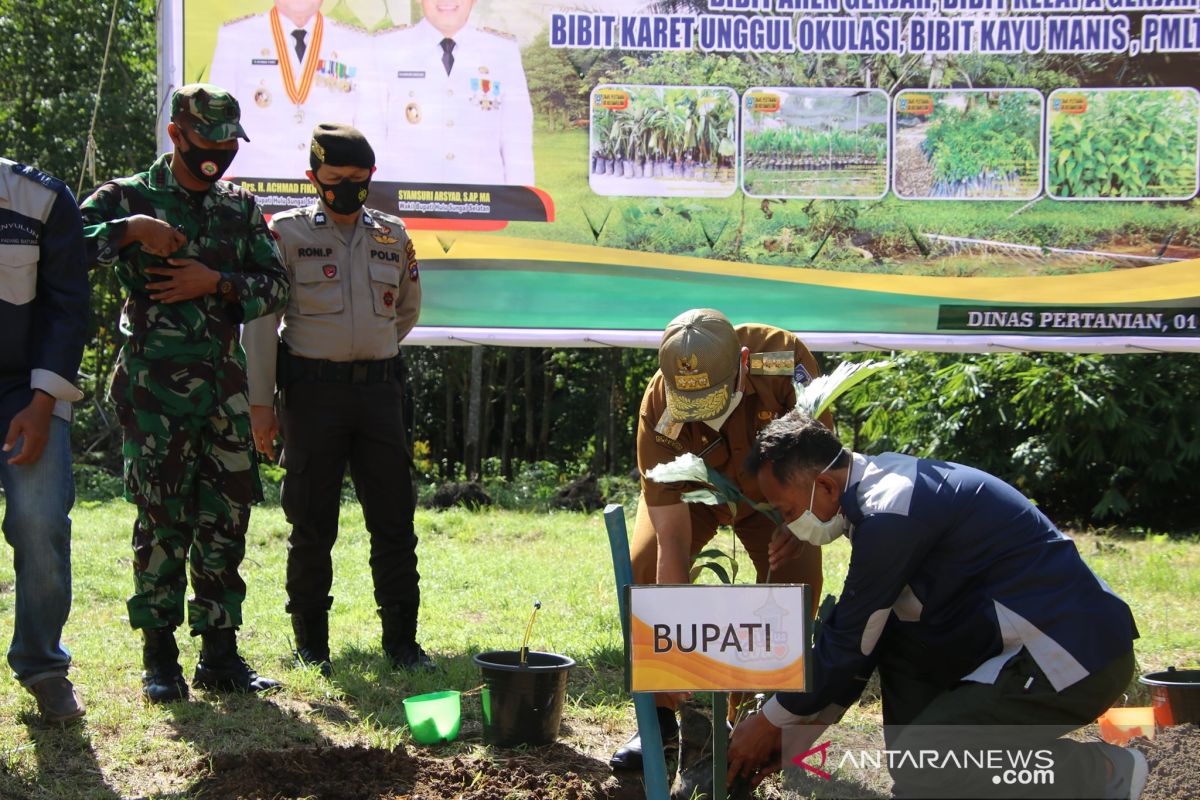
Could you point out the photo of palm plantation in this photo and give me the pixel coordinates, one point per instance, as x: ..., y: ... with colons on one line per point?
x: 1123, y: 144
x: 968, y: 145
x: 663, y: 141
x: 815, y: 143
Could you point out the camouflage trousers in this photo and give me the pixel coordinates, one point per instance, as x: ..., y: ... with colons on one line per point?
x: 193, y: 480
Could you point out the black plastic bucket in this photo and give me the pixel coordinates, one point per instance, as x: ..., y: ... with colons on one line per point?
x: 1175, y: 695
x: 522, y: 703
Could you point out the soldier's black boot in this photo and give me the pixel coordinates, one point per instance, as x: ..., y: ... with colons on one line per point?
x: 400, y: 638
x: 221, y: 669
x: 312, y: 640
x: 162, y: 679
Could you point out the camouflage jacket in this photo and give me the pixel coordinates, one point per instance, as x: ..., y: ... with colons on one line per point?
x: 182, y: 359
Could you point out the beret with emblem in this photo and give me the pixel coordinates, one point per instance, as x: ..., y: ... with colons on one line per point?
x: 700, y: 357
x: 213, y: 112
x: 338, y: 145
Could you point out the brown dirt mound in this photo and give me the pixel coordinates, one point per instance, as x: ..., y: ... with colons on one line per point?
x: 1174, y: 767
x: 363, y: 773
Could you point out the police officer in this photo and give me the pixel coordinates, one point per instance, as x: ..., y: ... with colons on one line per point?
x: 457, y: 104
x: 195, y: 258
x: 717, y: 386
x: 355, y: 294
x: 291, y: 67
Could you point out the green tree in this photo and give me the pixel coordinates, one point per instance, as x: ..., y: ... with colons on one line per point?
x: 50, y: 65
x: 556, y: 88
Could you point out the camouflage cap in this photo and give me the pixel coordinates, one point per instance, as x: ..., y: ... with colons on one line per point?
x: 214, y: 112
x: 700, y: 358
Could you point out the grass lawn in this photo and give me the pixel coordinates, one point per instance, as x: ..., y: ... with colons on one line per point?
x: 480, y: 575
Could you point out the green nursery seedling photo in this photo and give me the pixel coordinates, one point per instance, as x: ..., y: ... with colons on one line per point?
x: 968, y: 145
x: 1123, y: 144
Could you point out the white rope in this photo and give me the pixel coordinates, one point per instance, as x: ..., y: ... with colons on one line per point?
x: 89, y: 151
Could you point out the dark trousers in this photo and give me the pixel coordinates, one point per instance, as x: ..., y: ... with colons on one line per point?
x: 325, y: 427
x: 926, y: 709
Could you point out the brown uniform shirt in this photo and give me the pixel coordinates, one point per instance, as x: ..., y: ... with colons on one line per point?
x: 777, y: 358
x: 352, y: 299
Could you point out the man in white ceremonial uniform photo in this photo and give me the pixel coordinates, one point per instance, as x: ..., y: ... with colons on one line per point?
x: 457, y: 106
x: 290, y: 68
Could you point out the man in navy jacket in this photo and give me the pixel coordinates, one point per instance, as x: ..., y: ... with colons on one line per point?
x: 43, y: 325
x: 977, y: 611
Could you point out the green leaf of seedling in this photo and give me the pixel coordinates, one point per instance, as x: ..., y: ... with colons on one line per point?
x: 711, y: 552
x: 706, y: 496
x: 687, y: 467
x: 717, y: 570
x: 818, y: 395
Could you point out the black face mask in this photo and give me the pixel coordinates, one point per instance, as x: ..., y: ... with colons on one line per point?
x: 346, y: 197
x: 206, y: 164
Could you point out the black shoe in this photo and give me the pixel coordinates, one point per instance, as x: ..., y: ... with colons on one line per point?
x: 221, y: 669
x: 312, y: 640
x: 410, y: 656
x: 629, y: 756
x: 162, y: 678
x: 400, y: 638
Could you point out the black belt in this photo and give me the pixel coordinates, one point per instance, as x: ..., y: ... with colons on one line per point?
x: 322, y: 371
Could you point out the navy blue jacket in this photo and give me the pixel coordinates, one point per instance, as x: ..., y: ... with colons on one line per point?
x: 44, y: 290
x: 971, y: 569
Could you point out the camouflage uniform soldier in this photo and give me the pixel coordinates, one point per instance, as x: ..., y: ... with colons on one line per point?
x: 196, y: 260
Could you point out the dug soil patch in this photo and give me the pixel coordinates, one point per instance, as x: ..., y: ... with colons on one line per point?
x: 1174, y: 759
x: 363, y: 773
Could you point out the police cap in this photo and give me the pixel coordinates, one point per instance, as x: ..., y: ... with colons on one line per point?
x: 339, y: 145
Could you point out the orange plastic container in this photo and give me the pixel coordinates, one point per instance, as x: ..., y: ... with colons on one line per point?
x: 1119, y: 725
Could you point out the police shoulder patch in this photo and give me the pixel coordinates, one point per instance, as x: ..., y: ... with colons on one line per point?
x: 501, y: 34
x: 410, y: 256
x: 781, y: 362
x: 801, y: 375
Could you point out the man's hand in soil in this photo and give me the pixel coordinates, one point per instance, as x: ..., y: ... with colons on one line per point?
x: 156, y: 237
x: 265, y: 425
x: 754, y: 749
x: 31, y: 426
x: 187, y: 279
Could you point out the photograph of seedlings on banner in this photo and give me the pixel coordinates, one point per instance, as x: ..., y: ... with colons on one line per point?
x: 815, y: 143
x: 1123, y: 144
x: 666, y: 141
x: 968, y: 145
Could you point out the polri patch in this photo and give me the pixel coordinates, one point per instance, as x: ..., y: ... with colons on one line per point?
x: 801, y: 376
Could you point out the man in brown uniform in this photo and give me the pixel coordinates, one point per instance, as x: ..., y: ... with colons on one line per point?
x: 355, y: 295
x: 716, y: 388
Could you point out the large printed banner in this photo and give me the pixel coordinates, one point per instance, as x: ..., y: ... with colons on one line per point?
x: 719, y: 638
x: 935, y: 174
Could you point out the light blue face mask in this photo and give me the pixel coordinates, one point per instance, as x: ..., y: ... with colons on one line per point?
x: 809, y: 528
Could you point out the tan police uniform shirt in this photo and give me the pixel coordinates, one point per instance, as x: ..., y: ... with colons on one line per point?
x: 474, y: 125
x: 352, y: 299
x: 334, y: 82
x: 777, y: 358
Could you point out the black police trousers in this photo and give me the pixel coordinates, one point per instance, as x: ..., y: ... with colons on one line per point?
x: 327, y: 426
